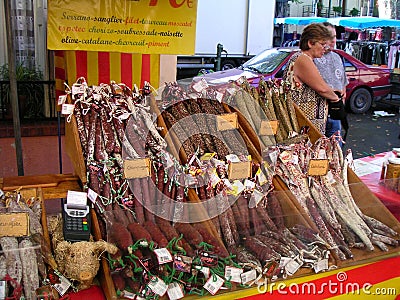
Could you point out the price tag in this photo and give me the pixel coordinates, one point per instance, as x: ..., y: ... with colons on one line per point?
x: 200, y: 85
x: 233, y: 274
x: 236, y: 188
x: 182, y: 263
x: 163, y: 255
x: 227, y: 122
x: 255, y: 198
x: 175, y: 291
x: 62, y: 99
x: 248, y: 276
x: 318, y: 167
x: 232, y: 158
x: 78, y: 89
x: 62, y: 285
x: 204, y: 270
x: 14, y: 224
x: 321, y: 154
x: 219, y: 96
x: 268, y: 127
x: 248, y: 184
x: 213, y: 284
x: 239, y: 170
x: 157, y: 285
x: 67, y: 109
x: 92, y: 195
x: 262, y: 179
x: 292, y: 266
x: 321, y: 265
x: 137, y: 168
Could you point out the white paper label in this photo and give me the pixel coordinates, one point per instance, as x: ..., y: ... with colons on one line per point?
x: 321, y: 265
x: 255, y: 198
x: 77, y: 198
x: 67, y: 109
x: 219, y: 96
x: 292, y: 266
x: 204, y: 270
x: 62, y: 99
x: 249, y: 184
x: 200, y: 85
x: 63, y: 286
x: 233, y: 274
x: 2, y: 289
x: 232, y: 158
x: 175, y: 291
x: 163, y: 255
x: 213, y: 284
x: 92, y: 195
x: 248, y: 276
x: 158, y: 286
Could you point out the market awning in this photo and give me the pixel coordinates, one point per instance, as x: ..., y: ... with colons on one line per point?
x: 363, y: 22
x: 299, y: 20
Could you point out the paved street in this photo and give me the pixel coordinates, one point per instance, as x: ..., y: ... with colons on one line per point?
x: 372, y: 135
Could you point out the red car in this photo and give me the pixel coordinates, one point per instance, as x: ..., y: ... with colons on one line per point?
x: 366, y: 82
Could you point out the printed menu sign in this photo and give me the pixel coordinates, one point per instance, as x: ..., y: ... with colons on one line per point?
x: 132, y: 26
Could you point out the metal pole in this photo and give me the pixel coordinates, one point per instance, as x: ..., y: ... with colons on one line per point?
x: 13, y: 88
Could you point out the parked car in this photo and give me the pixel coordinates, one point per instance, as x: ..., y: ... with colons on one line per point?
x: 366, y: 82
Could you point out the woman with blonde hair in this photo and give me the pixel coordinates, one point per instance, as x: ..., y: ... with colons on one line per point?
x: 308, y: 89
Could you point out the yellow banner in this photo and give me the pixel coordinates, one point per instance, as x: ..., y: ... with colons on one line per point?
x: 130, y: 26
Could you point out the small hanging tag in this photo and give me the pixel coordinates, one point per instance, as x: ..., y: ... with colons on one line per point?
x: 292, y: 266
x: 163, y: 255
x: 219, y: 96
x: 61, y: 101
x: 256, y: 197
x: 3, y: 289
x: 168, y: 162
x: 59, y: 282
x: 92, y: 195
x: 157, y: 285
x: 213, y: 284
x: 232, y: 158
x: 286, y: 156
x: 262, y: 179
x: 175, y: 291
x: 249, y: 185
x: 321, y: 265
x: 233, y: 274
x: 182, y: 263
x: 78, y: 89
x: 208, y: 259
x: 248, y: 276
x: 200, y: 85
x: 321, y: 154
x: 67, y: 109
x: 236, y: 188
x: 204, y: 270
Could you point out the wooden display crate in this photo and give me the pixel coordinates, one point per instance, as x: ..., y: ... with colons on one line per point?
x: 367, y: 202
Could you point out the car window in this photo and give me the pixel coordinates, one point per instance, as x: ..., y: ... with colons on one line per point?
x: 279, y: 74
x: 348, y: 66
x: 267, y: 61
